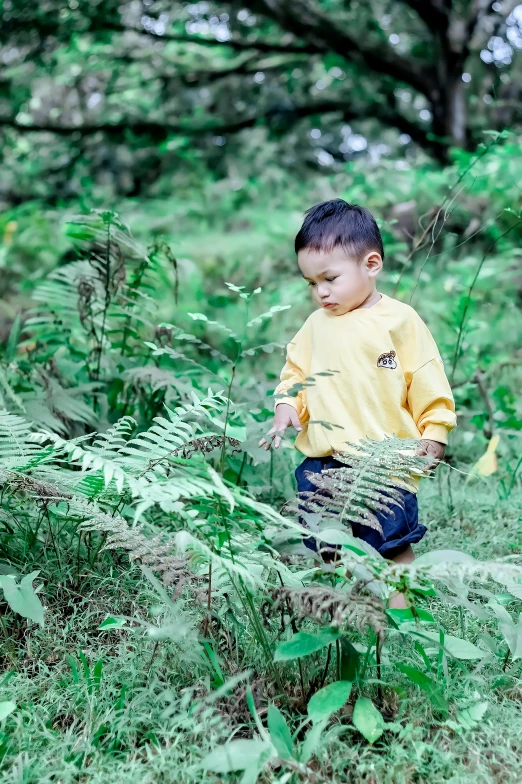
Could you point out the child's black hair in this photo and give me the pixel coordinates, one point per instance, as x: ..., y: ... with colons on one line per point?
x: 336, y: 223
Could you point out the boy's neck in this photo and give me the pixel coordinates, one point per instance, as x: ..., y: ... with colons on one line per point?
x: 372, y: 299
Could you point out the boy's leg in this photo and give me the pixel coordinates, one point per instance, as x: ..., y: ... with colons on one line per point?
x: 397, y: 601
x: 315, y: 465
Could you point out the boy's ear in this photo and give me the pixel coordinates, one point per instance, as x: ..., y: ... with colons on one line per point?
x: 373, y: 263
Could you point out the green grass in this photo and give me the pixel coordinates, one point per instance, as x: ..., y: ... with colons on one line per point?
x: 136, y: 721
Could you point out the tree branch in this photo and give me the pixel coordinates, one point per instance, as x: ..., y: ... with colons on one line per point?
x: 240, y: 46
x: 433, y: 16
x: 276, y: 116
x: 45, y: 27
x: 319, y: 31
x: 245, y: 68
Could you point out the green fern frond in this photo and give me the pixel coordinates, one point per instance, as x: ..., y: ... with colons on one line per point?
x: 106, y: 300
x: 159, y: 351
x: 166, y: 436
x: 140, y: 464
x: 111, y: 443
x: 158, y: 378
x: 369, y: 482
x: 10, y: 394
x: 56, y: 316
x: 15, y: 444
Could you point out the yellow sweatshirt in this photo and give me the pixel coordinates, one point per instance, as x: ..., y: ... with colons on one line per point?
x: 383, y: 375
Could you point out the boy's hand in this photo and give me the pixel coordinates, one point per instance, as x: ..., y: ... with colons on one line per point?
x: 433, y: 449
x: 285, y: 416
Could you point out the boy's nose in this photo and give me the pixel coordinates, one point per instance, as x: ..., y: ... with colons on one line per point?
x: 323, y: 291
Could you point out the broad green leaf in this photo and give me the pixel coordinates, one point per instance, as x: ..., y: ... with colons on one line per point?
x: 427, y: 684
x: 512, y: 631
x: 22, y: 598
x: 407, y: 615
x: 368, y: 720
x: 350, y: 659
x: 303, y: 644
x: 113, y: 623
x: 235, y: 755
x: 6, y: 708
x: 279, y: 733
x: 454, y: 646
x: 436, y: 557
x: 328, y: 700
x: 97, y: 675
x: 8, y: 569
x: 311, y: 741
x: 335, y: 536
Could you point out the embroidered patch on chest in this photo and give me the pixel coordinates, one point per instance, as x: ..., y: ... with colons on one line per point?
x: 387, y: 361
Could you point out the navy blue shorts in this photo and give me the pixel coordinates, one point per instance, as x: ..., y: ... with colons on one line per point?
x: 400, y: 525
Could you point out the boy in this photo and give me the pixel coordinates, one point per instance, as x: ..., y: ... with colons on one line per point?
x: 387, y: 379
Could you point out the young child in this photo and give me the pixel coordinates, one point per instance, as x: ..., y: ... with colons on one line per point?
x: 387, y: 377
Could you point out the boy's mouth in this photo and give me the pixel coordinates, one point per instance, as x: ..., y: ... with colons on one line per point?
x: 329, y: 305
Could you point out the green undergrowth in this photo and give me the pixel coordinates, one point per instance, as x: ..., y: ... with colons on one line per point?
x: 160, y: 617
x: 94, y: 704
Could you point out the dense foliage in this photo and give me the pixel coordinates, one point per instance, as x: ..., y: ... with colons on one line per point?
x: 161, y: 618
x: 129, y: 95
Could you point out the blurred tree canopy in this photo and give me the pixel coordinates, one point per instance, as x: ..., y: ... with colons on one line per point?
x: 125, y: 93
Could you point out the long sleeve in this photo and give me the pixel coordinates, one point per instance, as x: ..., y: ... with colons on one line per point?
x: 431, y: 402
x: 429, y: 397
x: 293, y: 375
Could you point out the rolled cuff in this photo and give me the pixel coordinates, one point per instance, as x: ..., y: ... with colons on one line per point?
x: 436, y: 433
x: 295, y: 402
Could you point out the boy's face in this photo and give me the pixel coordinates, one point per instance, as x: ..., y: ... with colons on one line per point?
x: 339, y: 283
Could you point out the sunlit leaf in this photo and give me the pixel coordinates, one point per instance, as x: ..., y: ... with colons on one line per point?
x: 279, y: 733
x: 6, y: 708
x: 328, y: 700
x: 488, y: 463
x: 235, y: 755
x: 22, y: 598
x: 368, y: 720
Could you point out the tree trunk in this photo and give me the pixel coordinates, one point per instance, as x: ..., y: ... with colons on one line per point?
x: 449, y: 102
x: 456, y: 124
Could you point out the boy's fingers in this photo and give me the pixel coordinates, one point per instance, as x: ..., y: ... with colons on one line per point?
x: 279, y: 433
x: 295, y: 420
x: 273, y: 435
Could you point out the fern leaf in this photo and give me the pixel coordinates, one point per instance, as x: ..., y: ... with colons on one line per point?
x: 369, y: 482
x: 15, y: 444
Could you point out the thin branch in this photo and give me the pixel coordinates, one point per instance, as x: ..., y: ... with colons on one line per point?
x: 460, y: 331
x: 490, y: 427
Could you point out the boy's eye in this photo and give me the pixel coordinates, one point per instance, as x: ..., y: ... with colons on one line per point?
x: 330, y: 279
x: 311, y: 283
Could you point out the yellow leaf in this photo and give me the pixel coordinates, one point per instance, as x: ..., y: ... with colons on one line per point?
x: 487, y: 464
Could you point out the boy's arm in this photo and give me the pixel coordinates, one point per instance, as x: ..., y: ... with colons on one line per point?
x: 292, y: 378
x: 431, y: 402
x: 290, y: 399
x: 291, y: 390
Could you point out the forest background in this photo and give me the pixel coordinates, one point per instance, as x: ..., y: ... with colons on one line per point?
x: 156, y: 161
